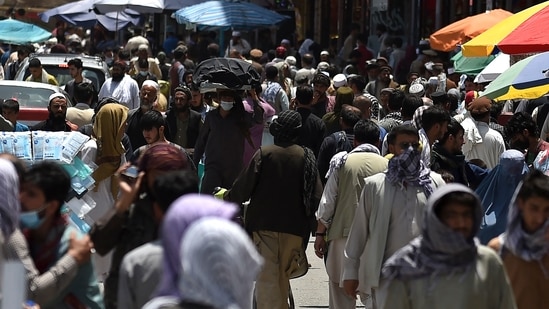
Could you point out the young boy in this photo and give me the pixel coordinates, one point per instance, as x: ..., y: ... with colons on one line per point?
x: 10, y: 111
x: 524, y: 247
x: 44, y: 189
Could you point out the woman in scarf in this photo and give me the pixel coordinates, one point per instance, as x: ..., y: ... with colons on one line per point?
x: 524, y: 247
x: 444, y: 267
x: 106, y: 151
x: 495, y: 192
x: 181, y: 214
x: 220, y: 264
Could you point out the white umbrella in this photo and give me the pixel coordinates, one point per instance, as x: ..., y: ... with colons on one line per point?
x: 501, y: 63
x: 141, y: 6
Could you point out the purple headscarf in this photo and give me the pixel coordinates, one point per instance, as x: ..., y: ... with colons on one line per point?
x: 181, y: 214
x: 9, y: 198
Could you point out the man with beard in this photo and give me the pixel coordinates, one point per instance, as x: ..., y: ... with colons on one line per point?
x: 383, y: 81
x: 121, y: 86
x: 447, y: 156
x: 389, y: 214
x: 147, y: 98
x: 523, y: 135
x: 57, y: 108
x: 183, y: 122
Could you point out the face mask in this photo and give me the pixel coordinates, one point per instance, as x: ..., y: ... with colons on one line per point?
x: 31, y: 219
x: 226, y: 106
x: 143, y: 73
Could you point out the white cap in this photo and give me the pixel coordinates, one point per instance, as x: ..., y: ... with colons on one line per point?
x: 416, y: 89
x: 236, y: 33
x: 291, y: 60
x: 322, y: 66
x: 340, y: 80
x: 56, y: 95
x: 324, y: 53
x: 143, y: 47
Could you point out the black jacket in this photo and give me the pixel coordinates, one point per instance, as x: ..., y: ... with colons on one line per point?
x: 193, y: 128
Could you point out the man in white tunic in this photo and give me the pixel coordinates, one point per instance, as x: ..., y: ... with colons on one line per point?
x: 389, y: 215
x: 121, y: 87
x: 481, y: 142
x: 339, y: 201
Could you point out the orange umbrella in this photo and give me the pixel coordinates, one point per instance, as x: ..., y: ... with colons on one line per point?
x: 447, y: 38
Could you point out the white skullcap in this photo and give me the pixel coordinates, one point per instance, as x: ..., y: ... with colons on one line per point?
x: 236, y: 33
x: 416, y: 89
x: 324, y: 53
x: 150, y: 82
x: 340, y: 80
x: 291, y: 60
x: 56, y: 95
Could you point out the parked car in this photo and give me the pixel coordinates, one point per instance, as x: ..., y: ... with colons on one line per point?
x: 94, y: 68
x: 32, y: 97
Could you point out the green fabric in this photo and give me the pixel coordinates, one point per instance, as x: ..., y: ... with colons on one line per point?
x: 470, y: 65
x: 84, y: 286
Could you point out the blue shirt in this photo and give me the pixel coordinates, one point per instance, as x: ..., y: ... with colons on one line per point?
x: 19, y: 127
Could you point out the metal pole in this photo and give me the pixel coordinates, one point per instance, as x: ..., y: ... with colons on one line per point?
x: 438, y: 15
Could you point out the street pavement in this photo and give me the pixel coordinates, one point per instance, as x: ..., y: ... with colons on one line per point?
x: 311, y: 290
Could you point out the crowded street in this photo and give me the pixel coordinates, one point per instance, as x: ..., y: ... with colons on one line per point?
x: 269, y: 154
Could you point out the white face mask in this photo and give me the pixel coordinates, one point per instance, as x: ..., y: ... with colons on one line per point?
x: 226, y: 105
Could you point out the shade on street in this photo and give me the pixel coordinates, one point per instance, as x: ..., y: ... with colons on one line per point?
x: 459, y: 32
x: 518, y: 34
x: 525, y: 79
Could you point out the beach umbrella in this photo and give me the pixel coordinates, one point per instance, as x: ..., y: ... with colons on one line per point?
x: 470, y: 65
x: 18, y: 32
x: 459, y: 32
x: 501, y: 63
x: 526, y: 79
x: 141, y: 6
x: 520, y: 33
x: 76, y: 13
x: 228, y: 15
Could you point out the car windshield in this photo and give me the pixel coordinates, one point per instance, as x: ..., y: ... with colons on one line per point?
x: 26, y: 96
x: 62, y: 75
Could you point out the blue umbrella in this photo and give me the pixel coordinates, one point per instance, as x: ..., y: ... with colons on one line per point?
x: 18, y: 32
x: 76, y: 13
x: 228, y: 14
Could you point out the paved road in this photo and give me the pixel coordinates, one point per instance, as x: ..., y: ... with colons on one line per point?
x: 311, y: 290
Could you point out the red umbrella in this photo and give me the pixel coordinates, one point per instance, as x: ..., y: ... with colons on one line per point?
x: 528, y: 37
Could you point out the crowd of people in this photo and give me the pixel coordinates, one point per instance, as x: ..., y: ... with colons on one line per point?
x: 418, y: 191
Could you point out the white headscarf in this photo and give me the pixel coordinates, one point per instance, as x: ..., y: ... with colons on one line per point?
x: 219, y: 265
x: 9, y: 197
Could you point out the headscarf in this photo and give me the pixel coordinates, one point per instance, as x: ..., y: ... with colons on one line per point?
x: 286, y: 127
x: 418, y: 114
x: 339, y: 159
x: 496, y: 190
x: 439, y: 250
x: 529, y: 247
x: 108, y: 135
x: 163, y: 157
x: 9, y: 198
x: 220, y: 264
x: 184, y: 211
x: 408, y: 168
